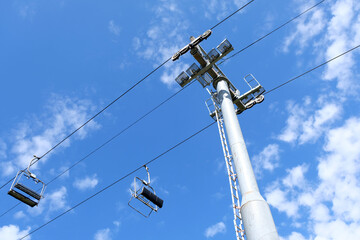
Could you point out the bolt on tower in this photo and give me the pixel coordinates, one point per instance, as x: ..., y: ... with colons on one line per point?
x: 252, y: 218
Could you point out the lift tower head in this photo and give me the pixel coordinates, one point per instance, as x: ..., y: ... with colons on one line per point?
x: 254, y: 211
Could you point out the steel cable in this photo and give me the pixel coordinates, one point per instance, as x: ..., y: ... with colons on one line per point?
x: 266, y: 35
x: 312, y: 69
x: 92, y: 118
x: 105, y: 143
x: 118, y: 180
x: 226, y: 18
x: 132, y: 87
x: 178, y: 144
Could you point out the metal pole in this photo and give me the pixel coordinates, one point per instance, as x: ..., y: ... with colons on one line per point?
x: 257, y: 219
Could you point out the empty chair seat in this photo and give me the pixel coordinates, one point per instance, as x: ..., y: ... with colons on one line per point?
x: 143, y: 192
x: 22, y: 198
x: 152, y: 197
x: 28, y: 191
x: 26, y: 194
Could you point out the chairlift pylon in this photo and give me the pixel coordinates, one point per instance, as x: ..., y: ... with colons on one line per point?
x: 145, y: 194
x: 23, y: 193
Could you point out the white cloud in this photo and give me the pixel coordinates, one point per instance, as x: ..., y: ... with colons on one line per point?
x: 19, y: 215
x: 215, y: 229
x: 280, y: 200
x: 267, y: 159
x: 117, y: 224
x: 52, y: 202
x: 315, y: 125
x: 307, y: 28
x: 220, y: 9
x: 338, y: 171
x: 169, y: 75
x: 239, y: 3
x: 336, y: 230
x: 103, y: 234
x: 57, y: 171
x: 27, y: 10
x: 294, y: 236
x: 283, y: 196
x: 7, y: 168
x: 86, y: 183
x: 113, y: 28
x: 218, y: 195
x: 296, y: 177
x: 38, y: 135
x: 3, y: 148
x: 329, y: 35
x: 310, y: 121
x: 163, y: 38
x: 329, y: 202
x: 339, y: 36
x: 136, y: 43
x: 57, y: 199
x: 291, y: 132
x: 12, y: 232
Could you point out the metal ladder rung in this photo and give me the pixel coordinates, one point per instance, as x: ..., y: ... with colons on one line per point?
x: 232, y: 175
x: 239, y: 228
x: 240, y: 233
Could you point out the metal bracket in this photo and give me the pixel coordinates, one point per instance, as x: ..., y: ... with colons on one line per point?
x: 191, y: 45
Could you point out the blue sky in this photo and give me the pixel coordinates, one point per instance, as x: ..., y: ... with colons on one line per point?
x: 62, y: 61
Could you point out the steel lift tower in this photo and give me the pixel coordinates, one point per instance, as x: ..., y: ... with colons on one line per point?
x: 252, y: 219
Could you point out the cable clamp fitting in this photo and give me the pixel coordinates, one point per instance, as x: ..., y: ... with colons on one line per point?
x: 191, y: 45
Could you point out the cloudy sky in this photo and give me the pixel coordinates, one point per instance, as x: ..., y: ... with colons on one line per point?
x: 63, y: 61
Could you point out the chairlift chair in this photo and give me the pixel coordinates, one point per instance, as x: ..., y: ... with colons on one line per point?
x: 146, y: 195
x: 23, y: 193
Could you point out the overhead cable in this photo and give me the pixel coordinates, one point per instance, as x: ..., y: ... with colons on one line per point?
x: 102, y: 110
x: 266, y: 35
x: 92, y: 118
x: 128, y: 90
x: 118, y: 180
x: 312, y: 69
x: 178, y: 144
x: 132, y: 87
x: 226, y: 18
x: 105, y: 143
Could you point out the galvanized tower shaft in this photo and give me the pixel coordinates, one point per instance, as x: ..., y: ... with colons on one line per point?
x: 256, y: 216
x: 234, y: 190
x: 254, y: 212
